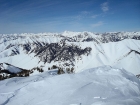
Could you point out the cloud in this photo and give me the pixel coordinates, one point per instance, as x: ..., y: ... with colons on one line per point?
x: 100, y: 23
x: 105, y: 7
x: 82, y: 15
x: 86, y: 15
x: 85, y: 12
x: 94, y: 16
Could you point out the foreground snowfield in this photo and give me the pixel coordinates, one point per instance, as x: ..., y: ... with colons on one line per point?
x: 97, y: 86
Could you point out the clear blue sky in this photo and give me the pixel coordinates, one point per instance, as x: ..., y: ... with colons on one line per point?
x: 19, y: 16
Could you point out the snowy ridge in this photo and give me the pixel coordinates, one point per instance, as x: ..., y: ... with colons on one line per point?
x: 80, y: 50
x: 75, y: 36
x: 103, y: 85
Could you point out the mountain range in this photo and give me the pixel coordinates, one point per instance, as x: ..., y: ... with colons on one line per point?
x: 80, y: 50
x: 95, y: 68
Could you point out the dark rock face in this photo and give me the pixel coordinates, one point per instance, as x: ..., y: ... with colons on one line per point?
x: 115, y: 37
x: 62, y: 51
x: 5, y: 73
x: 138, y: 76
x: 59, y: 52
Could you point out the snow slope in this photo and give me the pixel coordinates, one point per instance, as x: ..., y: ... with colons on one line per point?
x: 97, y: 86
x: 10, y: 68
x: 124, y: 54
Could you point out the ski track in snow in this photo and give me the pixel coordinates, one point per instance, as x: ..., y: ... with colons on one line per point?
x: 15, y: 92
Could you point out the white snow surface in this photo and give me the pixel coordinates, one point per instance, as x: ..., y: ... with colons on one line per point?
x: 116, y: 54
x: 97, y: 86
x: 11, y: 68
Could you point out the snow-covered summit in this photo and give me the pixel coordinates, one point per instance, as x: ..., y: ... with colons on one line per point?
x: 96, y: 86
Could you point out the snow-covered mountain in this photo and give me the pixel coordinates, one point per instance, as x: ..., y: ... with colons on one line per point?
x: 97, y: 68
x: 81, y: 50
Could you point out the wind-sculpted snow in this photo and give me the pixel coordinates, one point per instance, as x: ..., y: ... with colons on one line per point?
x: 97, y: 86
